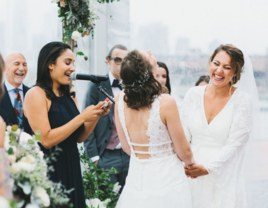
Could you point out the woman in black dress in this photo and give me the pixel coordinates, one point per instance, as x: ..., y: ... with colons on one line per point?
x: 51, y: 107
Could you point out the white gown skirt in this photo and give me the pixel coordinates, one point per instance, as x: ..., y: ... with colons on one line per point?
x: 156, y: 183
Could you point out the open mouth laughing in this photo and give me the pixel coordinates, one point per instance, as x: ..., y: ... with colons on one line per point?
x: 21, y: 74
x: 218, y: 77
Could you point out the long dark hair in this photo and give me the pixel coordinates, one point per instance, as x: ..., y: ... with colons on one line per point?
x: 49, y: 54
x: 134, y: 69
x: 163, y: 65
x: 1, y: 77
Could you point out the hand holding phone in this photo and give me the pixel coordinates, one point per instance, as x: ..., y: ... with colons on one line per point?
x: 107, y: 102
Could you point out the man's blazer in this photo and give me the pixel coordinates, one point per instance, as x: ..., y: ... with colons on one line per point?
x: 6, y: 108
x: 96, y: 143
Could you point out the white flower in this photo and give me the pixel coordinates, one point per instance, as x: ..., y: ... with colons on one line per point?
x: 15, y: 167
x: 24, y: 137
x: 11, y: 159
x: 9, y: 129
x: 116, y: 188
x: 92, y: 6
x: 106, y: 202
x: 27, y: 163
x: 4, y: 202
x: 86, y: 167
x: 96, y: 203
x: 32, y: 206
x: 76, y: 35
x: 41, y: 193
x: 41, y: 154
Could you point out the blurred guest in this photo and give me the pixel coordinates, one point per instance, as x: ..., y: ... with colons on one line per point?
x: 51, y: 107
x: 203, y: 80
x: 11, y: 106
x: 103, y: 146
x: 4, y: 174
x: 162, y: 76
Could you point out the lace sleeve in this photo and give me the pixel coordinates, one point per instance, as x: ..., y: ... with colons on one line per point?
x: 184, y: 114
x: 225, y: 167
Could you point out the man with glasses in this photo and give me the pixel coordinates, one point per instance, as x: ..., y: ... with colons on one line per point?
x: 103, y: 145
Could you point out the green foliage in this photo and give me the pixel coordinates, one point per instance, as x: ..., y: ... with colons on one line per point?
x: 78, y: 15
x: 94, y: 178
x: 80, y: 53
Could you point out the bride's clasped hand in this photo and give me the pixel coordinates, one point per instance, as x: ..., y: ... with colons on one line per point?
x: 195, y: 170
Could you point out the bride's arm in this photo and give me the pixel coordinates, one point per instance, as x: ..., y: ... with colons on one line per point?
x: 170, y: 114
x: 119, y: 128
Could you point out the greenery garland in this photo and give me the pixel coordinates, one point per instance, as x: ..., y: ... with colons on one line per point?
x: 78, y: 17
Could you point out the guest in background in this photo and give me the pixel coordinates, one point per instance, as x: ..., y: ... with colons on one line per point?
x: 4, y: 168
x: 203, y: 80
x: 51, y: 107
x: 11, y: 106
x: 103, y: 146
x: 162, y: 75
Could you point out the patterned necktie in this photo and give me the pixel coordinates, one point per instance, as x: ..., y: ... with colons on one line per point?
x: 18, y: 107
x: 116, y: 84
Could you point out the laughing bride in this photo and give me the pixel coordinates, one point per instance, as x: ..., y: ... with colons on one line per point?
x: 217, y: 121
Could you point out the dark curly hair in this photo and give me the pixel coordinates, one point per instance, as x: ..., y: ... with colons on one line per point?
x: 237, y: 60
x: 134, y: 67
x: 49, y: 54
x: 1, y: 77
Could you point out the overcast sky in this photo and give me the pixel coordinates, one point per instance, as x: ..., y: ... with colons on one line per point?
x: 241, y: 22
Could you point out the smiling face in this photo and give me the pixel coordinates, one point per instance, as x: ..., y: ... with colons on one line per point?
x: 161, y: 76
x: 220, y: 70
x: 15, y: 69
x: 61, y: 70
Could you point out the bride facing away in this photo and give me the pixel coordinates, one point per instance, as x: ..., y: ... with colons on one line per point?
x: 217, y: 120
x: 150, y: 131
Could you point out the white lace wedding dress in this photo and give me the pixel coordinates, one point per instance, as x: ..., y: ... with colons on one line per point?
x: 159, y: 181
x: 219, y: 146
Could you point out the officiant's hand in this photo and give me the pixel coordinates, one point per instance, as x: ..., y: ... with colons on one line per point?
x: 106, y: 110
x: 195, y: 170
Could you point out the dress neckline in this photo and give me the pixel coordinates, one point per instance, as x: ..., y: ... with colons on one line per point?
x: 203, y: 106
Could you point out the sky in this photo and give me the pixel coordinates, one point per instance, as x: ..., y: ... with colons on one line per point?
x: 243, y: 23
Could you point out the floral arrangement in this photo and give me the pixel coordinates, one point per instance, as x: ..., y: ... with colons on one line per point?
x: 78, y: 17
x: 28, y: 171
x: 93, y: 179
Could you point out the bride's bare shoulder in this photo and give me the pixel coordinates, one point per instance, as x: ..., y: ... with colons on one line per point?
x: 167, y: 101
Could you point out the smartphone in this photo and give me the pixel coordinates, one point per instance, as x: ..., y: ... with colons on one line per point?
x: 107, y: 101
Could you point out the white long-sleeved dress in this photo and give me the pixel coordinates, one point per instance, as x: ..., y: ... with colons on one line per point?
x: 220, y: 147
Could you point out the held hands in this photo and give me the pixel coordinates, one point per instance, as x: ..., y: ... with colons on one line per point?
x: 195, y: 170
x: 91, y: 113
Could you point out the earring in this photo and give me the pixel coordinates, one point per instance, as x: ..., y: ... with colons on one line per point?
x: 234, y: 79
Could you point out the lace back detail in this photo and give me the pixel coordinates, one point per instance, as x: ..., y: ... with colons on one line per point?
x: 160, y: 144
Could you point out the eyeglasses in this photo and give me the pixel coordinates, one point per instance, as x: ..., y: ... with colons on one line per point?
x: 117, y: 60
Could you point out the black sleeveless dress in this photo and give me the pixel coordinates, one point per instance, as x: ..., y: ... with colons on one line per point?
x: 67, y: 168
